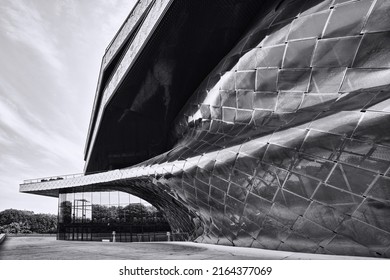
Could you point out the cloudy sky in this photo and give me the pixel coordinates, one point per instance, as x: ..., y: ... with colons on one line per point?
x: 50, y: 54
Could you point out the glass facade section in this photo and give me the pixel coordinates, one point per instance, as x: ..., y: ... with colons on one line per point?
x: 99, y: 215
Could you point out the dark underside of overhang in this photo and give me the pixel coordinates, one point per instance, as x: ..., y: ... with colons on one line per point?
x: 187, y: 44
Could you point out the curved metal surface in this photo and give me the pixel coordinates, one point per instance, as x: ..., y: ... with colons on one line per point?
x: 289, y: 136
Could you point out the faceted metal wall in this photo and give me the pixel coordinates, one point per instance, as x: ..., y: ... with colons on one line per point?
x: 289, y: 136
x: 286, y: 144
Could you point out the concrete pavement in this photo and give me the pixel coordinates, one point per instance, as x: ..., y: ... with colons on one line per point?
x: 48, y: 248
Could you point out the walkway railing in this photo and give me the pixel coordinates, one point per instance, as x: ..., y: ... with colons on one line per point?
x: 52, y: 178
x: 59, y: 177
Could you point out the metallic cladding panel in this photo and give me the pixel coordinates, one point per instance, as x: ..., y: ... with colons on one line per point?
x: 286, y: 144
x: 302, y: 113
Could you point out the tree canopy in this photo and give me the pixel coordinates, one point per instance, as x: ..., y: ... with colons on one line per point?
x: 22, y: 221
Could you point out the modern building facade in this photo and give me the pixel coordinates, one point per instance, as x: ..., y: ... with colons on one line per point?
x: 248, y: 123
x: 104, y: 214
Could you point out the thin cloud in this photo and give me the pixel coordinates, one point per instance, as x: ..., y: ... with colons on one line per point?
x: 36, y: 35
x: 50, y: 52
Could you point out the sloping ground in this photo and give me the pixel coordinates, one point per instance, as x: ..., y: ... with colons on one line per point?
x: 47, y: 248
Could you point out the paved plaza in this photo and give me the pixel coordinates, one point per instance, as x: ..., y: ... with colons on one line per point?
x: 48, y: 248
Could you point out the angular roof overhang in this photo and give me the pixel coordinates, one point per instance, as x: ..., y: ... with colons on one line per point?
x: 160, y: 56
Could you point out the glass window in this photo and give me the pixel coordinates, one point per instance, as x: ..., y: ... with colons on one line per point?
x: 88, y: 197
x: 82, y: 217
x: 67, y: 197
x: 96, y: 198
x: 124, y: 198
x: 114, y: 198
x: 61, y: 198
x: 105, y: 198
x: 78, y: 195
